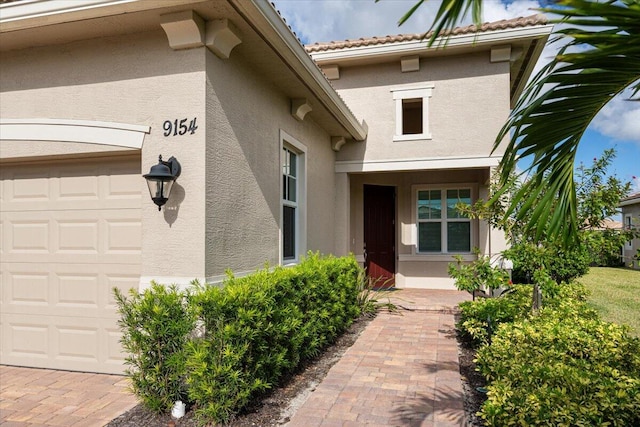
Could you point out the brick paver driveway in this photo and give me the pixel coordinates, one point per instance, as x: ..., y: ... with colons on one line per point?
x: 43, y: 397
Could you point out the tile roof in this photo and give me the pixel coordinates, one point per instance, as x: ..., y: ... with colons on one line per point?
x: 504, y: 24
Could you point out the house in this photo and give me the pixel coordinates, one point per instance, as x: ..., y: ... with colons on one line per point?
x: 360, y: 146
x: 631, y: 221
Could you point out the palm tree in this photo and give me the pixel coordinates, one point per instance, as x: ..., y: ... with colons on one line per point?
x: 599, y: 60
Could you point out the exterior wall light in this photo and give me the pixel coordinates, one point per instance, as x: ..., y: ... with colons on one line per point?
x: 160, y: 179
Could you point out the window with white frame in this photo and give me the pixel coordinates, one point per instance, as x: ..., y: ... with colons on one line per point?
x: 628, y: 225
x: 441, y: 227
x: 412, y: 112
x: 293, y: 218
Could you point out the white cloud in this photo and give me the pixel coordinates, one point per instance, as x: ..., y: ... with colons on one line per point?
x: 331, y: 20
x: 620, y: 119
x: 497, y: 10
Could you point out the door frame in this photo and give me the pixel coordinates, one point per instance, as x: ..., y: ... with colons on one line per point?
x: 394, y: 248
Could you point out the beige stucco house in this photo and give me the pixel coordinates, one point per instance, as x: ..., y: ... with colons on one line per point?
x: 630, y: 207
x: 346, y: 147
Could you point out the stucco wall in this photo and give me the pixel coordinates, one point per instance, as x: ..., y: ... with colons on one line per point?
x: 468, y: 106
x: 245, y: 115
x: 135, y: 79
x: 224, y: 211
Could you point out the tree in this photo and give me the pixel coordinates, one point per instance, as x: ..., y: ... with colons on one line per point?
x: 598, y: 195
x: 601, y: 59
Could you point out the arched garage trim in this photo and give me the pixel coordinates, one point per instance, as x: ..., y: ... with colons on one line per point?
x: 85, y: 131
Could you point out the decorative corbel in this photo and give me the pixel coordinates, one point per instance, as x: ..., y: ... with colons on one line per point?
x: 221, y: 37
x: 184, y: 29
x: 331, y: 71
x: 410, y: 63
x: 337, y: 142
x: 299, y: 108
x: 501, y: 53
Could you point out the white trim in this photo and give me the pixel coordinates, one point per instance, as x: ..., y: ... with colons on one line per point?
x: 413, y: 137
x: 295, y: 146
x: 36, y: 8
x: 429, y: 282
x: 217, y: 280
x: 349, y: 166
x: 634, y: 201
x: 183, y: 283
x: 92, y: 132
x: 422, y: 257
x: 473, y: 224
x: 422, y: 91
x: 35, y: 13
x: 414, y: 47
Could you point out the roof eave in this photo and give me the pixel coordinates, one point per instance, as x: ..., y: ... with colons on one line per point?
x: 25, y: 14
x: 413, y: 47
x: 267, y: 22
x: 629, y: 202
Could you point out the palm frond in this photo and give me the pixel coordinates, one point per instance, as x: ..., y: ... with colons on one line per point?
x: 600, y: 60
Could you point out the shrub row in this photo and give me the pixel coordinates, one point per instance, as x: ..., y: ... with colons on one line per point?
x: 242, y: 337
x: 562, y: 366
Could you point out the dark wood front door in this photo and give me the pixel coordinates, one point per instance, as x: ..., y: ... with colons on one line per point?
x: 380, y: 234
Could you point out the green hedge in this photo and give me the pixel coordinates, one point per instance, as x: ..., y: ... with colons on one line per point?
x: 254, y: 329
x: 561, y: 367
x: 480, y: 318
x: 156, y: 325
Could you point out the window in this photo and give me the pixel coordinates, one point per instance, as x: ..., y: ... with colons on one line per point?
x: 412, y: 112
x: 441, y: 228
x: 628, y: 226
x: 289, y: 203
x: 412, y: 116
x: 293, y: 219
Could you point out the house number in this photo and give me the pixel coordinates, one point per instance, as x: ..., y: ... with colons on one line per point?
x: 179, y: 127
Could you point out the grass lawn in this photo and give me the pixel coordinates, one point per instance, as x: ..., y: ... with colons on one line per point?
x: 615, y: 293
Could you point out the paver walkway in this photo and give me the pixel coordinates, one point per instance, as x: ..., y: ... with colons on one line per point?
x: 43, y: 397
x: 402, y: 371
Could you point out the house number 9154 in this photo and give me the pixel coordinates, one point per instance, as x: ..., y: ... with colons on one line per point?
x: 179, y: 127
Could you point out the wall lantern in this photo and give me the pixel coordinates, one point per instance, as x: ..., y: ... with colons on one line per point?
x: 160, y: 179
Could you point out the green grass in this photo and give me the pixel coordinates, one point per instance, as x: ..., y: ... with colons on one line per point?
x: 615, y: 293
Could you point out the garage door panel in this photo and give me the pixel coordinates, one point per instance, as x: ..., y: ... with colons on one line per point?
x: 62, y: 343
x: 70, y: 186
x: 111, y: 236
x: 67, y: 289
x: 70, y: 232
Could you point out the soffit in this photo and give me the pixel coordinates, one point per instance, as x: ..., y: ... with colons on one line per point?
x: 254, y: 49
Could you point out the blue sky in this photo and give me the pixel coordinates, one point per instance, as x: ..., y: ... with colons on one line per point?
x: 617, y: 126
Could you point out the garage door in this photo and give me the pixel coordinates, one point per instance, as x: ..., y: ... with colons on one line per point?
x: 71, y: 231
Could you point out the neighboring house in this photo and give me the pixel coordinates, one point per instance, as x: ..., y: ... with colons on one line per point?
x: 631, y: 221
x: 278, y: 156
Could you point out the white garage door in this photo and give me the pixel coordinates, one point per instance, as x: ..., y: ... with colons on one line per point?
x: 71, y: 231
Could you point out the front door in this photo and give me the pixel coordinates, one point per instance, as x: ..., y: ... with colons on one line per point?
x: 380, y: 234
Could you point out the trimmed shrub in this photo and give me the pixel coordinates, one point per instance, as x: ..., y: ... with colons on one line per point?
x: 259, y: 327
x: 563, y: 265
x: 480, y: 318
x: 478, y: 274
x: 156, y: 325
x: 564, y: 367
x: 217, y: 347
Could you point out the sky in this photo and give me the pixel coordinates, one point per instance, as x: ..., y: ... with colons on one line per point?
x: 617, y: 126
